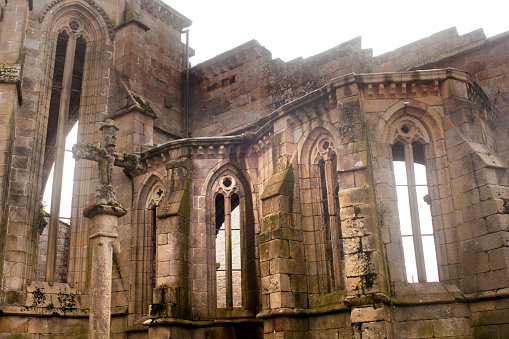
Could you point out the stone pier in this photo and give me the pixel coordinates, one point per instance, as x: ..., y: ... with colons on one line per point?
x: 104, y: 214
x: 103, y: 233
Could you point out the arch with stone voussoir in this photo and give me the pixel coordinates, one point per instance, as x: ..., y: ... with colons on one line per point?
x: 426, y: 128
x: 144, y: 245
x: 319, y: 186
x: 92, y: 25
x: 250, y: 270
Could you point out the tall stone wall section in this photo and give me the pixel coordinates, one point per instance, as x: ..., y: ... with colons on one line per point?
x: 233, y: 90
x: 239, y: 88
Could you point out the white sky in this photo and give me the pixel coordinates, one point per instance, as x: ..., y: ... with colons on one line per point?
x: 290, y: 29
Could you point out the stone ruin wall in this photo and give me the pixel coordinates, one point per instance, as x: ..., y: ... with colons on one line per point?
x: 230, y: 92
x: 62, y: 264
x: 234, y: 90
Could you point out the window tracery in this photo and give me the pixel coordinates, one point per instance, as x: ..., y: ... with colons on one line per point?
x: 326, y: 160
x: 228, y: 243
x: 409, y: 163
x: 63, y: 114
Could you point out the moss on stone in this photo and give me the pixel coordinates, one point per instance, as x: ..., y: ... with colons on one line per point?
x: 144, y: 104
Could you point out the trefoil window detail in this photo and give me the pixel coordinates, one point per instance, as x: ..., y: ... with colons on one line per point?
x: 414, y: 203
x: 228, y: 245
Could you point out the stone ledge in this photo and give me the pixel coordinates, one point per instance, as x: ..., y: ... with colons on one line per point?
x: 95, y: 209
x: 200, y: 323
x: 42, y: 312
x: 502, y: 293
x: 302, y: 312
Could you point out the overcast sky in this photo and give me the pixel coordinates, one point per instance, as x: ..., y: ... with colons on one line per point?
x: 291, y: 29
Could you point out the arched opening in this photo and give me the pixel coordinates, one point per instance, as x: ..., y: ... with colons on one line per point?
x: 414, y: 211
x: 68, y: 67
x: 228, y: 250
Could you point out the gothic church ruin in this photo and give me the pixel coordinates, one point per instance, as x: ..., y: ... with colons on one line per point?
x: 338, y: 196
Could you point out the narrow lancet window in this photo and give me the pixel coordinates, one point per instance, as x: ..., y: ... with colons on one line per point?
x: 220, y: 252
x: 63, y: 115
x: 326, y: 161
x: 228, y: 246
x: 327, y: 225
x: 414, y: 212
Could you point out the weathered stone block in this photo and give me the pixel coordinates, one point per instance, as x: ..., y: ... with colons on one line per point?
x: 369, y: 314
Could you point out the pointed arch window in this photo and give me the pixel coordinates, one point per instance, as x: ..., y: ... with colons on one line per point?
x: 69, y: 59
x: 409, y: 162
x: 329, y: 190
x: 228, y: 244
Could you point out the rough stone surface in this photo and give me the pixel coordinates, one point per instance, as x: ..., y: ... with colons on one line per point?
x: 304, y: 152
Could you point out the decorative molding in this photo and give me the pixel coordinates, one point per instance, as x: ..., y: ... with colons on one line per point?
x: 99, y: 9
x: 476, y: 95
x: 408, y: 129
x: 165, y: 13
x: 12, y: 74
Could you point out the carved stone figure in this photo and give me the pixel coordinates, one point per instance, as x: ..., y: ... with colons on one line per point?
x: 106, y: 158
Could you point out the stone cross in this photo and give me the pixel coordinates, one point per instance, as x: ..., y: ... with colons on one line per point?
x: 107, y: 158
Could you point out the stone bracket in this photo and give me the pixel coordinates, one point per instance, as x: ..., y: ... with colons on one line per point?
x: 103, y: 234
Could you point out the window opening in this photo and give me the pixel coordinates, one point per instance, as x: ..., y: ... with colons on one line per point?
x: 63, y: 114
x: 228, y: 249
x: 414, y: 212
x: 152, y: 254
x: 220, y: 253
x: 327, y: 227
x: 329, y: 201
x: 67, y: 179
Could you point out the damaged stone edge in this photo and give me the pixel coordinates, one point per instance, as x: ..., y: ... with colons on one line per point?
x: 12, y: 74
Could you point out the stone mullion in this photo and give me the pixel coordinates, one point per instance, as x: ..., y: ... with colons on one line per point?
x: 85, y: 171
x: 333, y: 225
x: 63, y: 112
x: 414, y: 213
x: 228, y: 251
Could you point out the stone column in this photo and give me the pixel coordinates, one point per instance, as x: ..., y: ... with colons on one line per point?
x: 103, y: 232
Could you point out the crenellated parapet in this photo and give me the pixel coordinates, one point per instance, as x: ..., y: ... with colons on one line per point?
x: 229, y: 60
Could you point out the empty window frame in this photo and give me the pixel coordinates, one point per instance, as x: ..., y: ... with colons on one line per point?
x: 228, y: 246
x: 414, y: 211
x: 63, y: 114
x: 329, y: 190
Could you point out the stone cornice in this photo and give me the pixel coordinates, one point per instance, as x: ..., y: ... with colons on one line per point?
x: 12, y: 74
x: 307, y: 108
x: 165, y: 13
x: 400, y: 77
x: 423, y: 82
